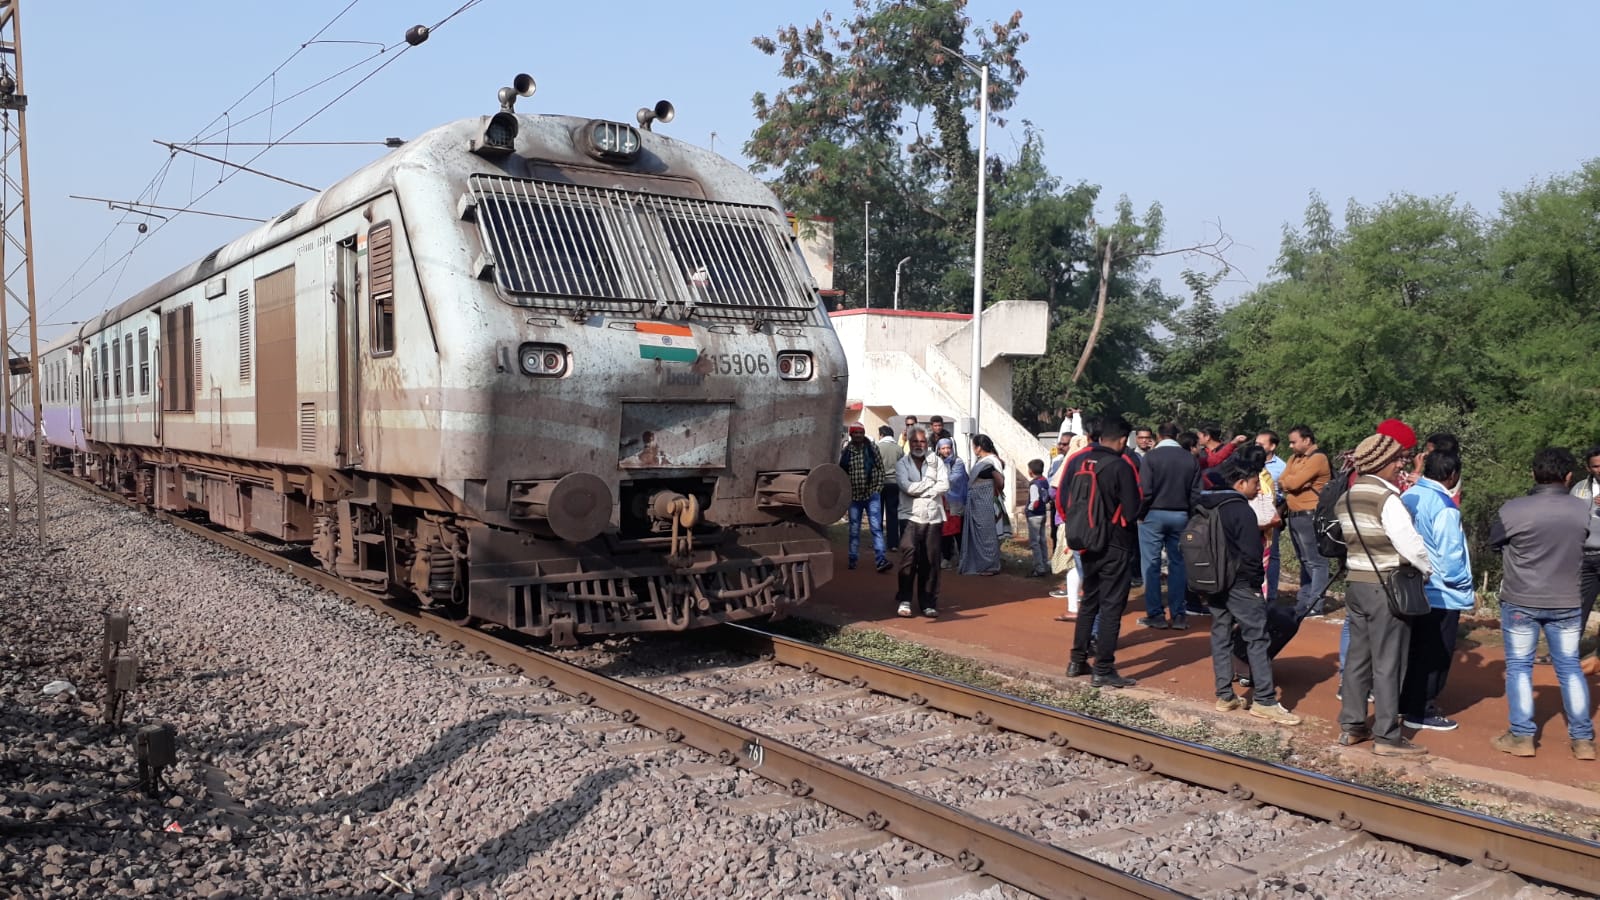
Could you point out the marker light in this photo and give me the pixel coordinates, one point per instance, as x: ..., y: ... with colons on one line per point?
x: 794, y: 366
x: 545, y: 360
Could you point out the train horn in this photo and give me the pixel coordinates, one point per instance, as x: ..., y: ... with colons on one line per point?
x: 662, y: 112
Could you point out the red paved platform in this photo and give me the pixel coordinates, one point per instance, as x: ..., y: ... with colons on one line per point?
x: 1008, y: 621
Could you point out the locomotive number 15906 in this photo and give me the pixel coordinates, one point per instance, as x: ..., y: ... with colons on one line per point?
x: 739, y: 364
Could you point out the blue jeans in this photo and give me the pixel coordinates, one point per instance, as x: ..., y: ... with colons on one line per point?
x: 873, y: 508
x: 1344, y: 640
x: 1314, y: 572
x: 1037, y: 540
x: 1274, y: 567
x: 1163, y: 529
x: 1520, y: 627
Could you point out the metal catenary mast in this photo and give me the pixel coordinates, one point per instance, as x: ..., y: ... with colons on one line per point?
x: 16, y: 267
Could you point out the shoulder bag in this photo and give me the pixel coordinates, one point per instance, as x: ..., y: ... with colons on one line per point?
x: 1403, y: 586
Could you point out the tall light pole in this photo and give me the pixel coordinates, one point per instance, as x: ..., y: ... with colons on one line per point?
x: 866, y: 221
x: 898, y: 266
x: 977, y: 249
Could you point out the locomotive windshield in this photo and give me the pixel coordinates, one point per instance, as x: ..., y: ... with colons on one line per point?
x: 566, y: 245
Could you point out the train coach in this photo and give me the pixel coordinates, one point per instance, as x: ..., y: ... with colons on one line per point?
x: 565, y: 375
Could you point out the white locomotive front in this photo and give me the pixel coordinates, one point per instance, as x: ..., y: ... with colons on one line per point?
x: 565, y: 375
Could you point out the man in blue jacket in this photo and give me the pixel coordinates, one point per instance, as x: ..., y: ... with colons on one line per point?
x: 1433, y: 638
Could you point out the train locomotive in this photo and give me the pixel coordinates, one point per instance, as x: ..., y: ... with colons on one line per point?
x: 565, y: 375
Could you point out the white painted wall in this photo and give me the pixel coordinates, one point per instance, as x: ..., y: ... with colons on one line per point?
x: 917, y: 363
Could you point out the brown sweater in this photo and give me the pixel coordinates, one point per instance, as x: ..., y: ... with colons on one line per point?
x: 1302, y: 479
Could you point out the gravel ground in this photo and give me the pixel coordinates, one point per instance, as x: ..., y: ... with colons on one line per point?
x: 325, y: 752
x: 1166, y: 831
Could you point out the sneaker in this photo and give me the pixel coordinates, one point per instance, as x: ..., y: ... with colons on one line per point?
x: 1077, y: 669
x: 929, y: 612
x: 1431, y: 722
x: 1060, y: 594
x: 1229, y: 704
x: 1583, y: 748
x: 1197, y: 611
x: 883, y: 565
x: 1401, y: 747
x: 944, y: 563
x: 1179, y: 624
x: 1112, y: 680
x: 904, y: 611
x: 1514, y: 744
x: 1274, y: 712
x: 1153, y: 621
x: 1354, y: 737
x: 851, y: 565
x: 1243, y: 680
x: 1038, y: 573
x: 1543, y: 659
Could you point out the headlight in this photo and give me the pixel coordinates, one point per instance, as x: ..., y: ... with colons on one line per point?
x: 613, y: 141
x: 794, y: 366
x: 547, y: 360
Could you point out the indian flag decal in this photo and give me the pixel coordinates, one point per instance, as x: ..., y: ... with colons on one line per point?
x: 673, y: 343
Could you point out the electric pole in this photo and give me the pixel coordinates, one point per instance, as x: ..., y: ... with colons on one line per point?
x: 16, y: 275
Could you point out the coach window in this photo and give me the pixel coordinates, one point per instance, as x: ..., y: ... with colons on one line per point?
x: 144, y: 361
x: 127, y: 361
x: 380, y: 281
x: 105, y: 372
x: 116, y: 369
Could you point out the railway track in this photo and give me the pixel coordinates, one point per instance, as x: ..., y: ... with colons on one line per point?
x: 1050, y: 802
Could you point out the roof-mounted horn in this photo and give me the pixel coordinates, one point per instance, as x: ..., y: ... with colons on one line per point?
x: 662, y: 112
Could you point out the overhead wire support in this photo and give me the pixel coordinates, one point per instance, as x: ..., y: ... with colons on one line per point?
x: 14, y: 192
x: 179, y: 148
x: 138, y: 208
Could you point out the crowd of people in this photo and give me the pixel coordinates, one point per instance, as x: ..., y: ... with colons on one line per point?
x: 936, y: 510
x: 1114, y: 506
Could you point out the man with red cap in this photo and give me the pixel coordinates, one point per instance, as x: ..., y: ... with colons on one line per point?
x: 1400, y: 431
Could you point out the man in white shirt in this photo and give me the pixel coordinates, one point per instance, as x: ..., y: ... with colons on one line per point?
x: 924, y: 481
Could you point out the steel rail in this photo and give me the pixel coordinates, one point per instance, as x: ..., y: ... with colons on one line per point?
x: 974, y: 844
x: 1496, y: 844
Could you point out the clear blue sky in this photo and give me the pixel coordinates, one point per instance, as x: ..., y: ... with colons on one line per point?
x: 1227, y: 112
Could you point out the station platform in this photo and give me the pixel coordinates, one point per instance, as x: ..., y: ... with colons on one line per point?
x: 1007, y: 622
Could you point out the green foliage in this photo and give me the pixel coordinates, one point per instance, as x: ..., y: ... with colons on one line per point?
x: 876, y: 109
x: 1418, y: 308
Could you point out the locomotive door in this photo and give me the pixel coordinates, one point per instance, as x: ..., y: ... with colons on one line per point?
x: 346, y: 296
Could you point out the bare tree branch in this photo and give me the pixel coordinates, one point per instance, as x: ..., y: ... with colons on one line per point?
x: 1099, y: 313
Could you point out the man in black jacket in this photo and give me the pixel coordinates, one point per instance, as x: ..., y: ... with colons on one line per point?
x: 1170, y: 479
x: 1243, y: 603
x: 1107, y: 574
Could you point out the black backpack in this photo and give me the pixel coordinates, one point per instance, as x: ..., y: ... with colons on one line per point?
x: 1087, y: 510
x: 1325, y: 519
x: 1208, y: 561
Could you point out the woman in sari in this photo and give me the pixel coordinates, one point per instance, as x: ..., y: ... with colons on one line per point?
x: 955, y: 503
x: 986, y: 518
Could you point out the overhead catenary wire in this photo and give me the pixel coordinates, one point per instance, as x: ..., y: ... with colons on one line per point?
x: 120, y: 264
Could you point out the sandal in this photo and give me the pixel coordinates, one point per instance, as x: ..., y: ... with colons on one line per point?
x: 1067, y: 617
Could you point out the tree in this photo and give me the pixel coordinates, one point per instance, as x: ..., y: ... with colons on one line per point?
x: 875, y: 110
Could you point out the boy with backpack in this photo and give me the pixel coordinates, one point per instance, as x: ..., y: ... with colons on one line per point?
x: 1038, y: 511
x: 1222, y: 556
